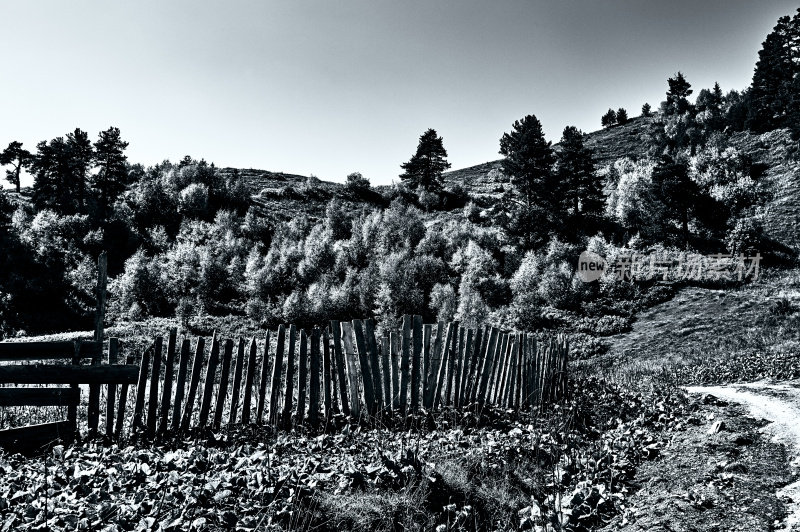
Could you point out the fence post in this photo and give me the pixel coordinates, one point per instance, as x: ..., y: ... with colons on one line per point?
x: 123, y: 400
x: 451, y: 363
x: 155, y: 377
x: 481, y: 345
x: 374, y: 362
x: 313, y: 393
x: 427, y: 333
x: 113, y: 358
x: 94, y: 389
x: 366, y: 371
x: 302, y: 378
x: 459, y: 368
x: 248, y: 381
x: 405, y: 362
x: 194, y: 383
x: 394, y: 355
x: 487, y: 365
x: 141, y: 387
x: 341, y: 368
x: 208, y: 383
x: 352, y: 369
x: 416, y: 361
x: 180, y: 385
x: 222, y: 393
x: 288, y: 398
x: 277, y: 369
x: 327, y: 375
x: 166, y: 395
x: 433, y: 367
x: 386, y: 365
x: 441, y: 368
x: 237, y: 381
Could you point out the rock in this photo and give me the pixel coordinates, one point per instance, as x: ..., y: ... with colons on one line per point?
x: 716, y: 427
x: 735, y: 467
x: 709, y: 399
x: 741, y: 439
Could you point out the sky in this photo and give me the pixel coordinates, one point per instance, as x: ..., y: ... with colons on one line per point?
x: 333, y: 87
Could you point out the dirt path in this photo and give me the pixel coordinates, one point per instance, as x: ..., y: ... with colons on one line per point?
x: 779, y: 404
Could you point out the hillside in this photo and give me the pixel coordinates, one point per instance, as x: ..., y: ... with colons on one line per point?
x: 628, y: 140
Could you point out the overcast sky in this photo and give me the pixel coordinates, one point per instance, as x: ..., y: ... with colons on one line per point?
x: 331, y: 87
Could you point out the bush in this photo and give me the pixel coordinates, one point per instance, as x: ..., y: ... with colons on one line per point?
x: 357, y: 183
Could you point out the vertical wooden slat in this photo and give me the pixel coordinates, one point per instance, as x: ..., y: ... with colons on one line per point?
x: 386, y: 365
x: 459, y: 368
x: 72, y: 409
x: 487, y: 366
x: 507, y: 389
x: 517, y: 397
x: 497, y: 368
x: 313, y: 381
x: 433, y: 370
x: 427, y: 333
x: 366, y: 373
x: 113, y: 358
x: 481, y: 339
x: 288, y: 397
x: 155, y: 379
x: 141, y: 388
x: 374, y: 362
x: 180, y: 384
x: 442, y: 365
x: 208, y: 388
x: 237, y: 382
x: 123, y: 401
x: 222, y: 393
x: 194, y: 383
x: 169, y: 369
x: 416, y: 360
x: 327, y: 375
x: 394, y: 355
x: 249, y: 380
x: 451, y: 365
x: 501, y: 370
x: 464, y: 369
x: 405, y: 362
x: 341, y: 365
x: 275, y: 387
x: 302, y: 378
x: 352, y: 369
x: 94, y: 389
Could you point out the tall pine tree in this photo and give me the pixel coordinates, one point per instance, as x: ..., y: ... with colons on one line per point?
x: 426, y: 166
x: 580, y: 190
x: 81, y: 154
x: 112, y: 176
x: 19, y: 158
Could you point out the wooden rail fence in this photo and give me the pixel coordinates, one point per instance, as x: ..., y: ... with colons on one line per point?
x: 291, y: 377
x: 286, y: 378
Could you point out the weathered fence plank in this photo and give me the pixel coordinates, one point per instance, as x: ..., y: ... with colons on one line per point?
x: 459, y: 364
x: 275, y: 387
x: 366, y: 371
x: 302, y: 377
x: 386, y: 366
x: 224, y: 375
x: 313, y: 392
x: 352, y: 369
x: 20, y: 351
x: 155, y: 379
x: 68, y: 374
x: 416, y: 361
x: 427, y: 338
x: 374, y: 362
x: 405, y: 362
x: 180, y: 384
x: 394, y: 355
x: 451, y: 364
x: 32, y: 438
x: 249, y: 379
x: 141, y: 387
x: 194, y: 383
x: 488, y: 356
x: 442, y: 364
x: 208, y: 383
x: 113, y: 358
x: 169, y: 369
x: 327, y: 374
x: 238, y: 368
x: 341, y: 365
x: 288, y: 399
x: 123, y: 401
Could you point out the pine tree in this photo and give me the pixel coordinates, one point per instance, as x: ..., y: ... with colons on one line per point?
x: 426, y: 166
x: 679, y: 91
x: 579, y: 188
x: 81, y: 154
x: 622, y: 116
x: 53, y: 178
x: 676, y: 191
x: 19, y: 158
x: 110, y: 160
x: 646, y: 110
x: 774, y: 91
x: 609, y: 119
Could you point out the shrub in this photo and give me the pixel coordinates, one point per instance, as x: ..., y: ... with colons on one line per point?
x: 357, y: 183
x: 193, y: 201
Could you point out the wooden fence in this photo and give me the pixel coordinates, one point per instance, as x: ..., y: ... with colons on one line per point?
x: 74, y: 374
x: 286, y: 378
x: 342, y: 369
